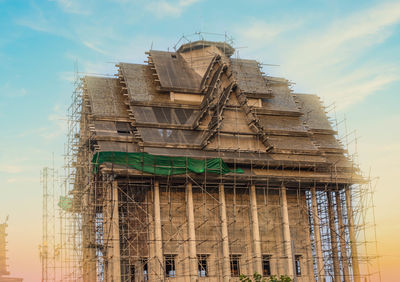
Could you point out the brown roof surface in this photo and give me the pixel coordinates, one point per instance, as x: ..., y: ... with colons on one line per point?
x: 104, y: 98
x: 249, y: 77
x: 234, y: 127
x: 313, y: 112
x: 138, y: 80
x: 173, y: 72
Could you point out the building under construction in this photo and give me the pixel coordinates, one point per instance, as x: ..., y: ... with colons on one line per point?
x: 197, y: 166
x: 4, y: 273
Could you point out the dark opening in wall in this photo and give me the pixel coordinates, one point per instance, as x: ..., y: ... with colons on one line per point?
x: 297, y: 259
x: 170, y: 270
x: 202, y: 265
x: 144, y: 263
x: 266, y: 265
x: 123, y: 128
x: 235, y: 265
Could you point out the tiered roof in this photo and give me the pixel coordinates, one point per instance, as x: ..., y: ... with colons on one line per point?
x: 199, y: 102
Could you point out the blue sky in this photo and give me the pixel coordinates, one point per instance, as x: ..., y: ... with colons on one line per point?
x: 345, y: 51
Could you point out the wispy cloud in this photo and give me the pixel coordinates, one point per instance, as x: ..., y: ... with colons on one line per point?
x: 73, y: 6
x: 348, y: 92
x: 348, y: 36
x: 43, y: 21
x: 92, y: 46
x: 67, y: 76
x: 56, y: 127
x: 333, y: 52
x: 7, y: 90
x: 265, y: 31
x: 24, y: 180
x: 165, y: 8
x: 11, y: 169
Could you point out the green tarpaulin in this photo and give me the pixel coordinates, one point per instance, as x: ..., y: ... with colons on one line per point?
x: 162, y: 165
x: 65, y: 203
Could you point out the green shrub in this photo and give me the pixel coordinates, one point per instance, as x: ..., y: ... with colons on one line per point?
x: 258, y: 278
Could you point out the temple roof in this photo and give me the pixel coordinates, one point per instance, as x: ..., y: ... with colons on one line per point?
x: 205, y: 104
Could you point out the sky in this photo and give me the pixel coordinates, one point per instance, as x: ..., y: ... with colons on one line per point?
x: 347, y: 52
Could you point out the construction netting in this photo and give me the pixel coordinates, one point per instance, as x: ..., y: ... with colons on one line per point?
x: 65, y: 203
x: 162, y: 165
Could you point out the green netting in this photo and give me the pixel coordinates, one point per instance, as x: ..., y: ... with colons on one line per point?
x: 162, y: 165
x: 65, y: 203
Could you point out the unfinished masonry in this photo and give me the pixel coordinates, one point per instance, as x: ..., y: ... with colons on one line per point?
x: 4, y: 273
x: 196, y: 166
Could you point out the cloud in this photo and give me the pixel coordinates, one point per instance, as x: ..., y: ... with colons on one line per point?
x: 347, y: 36
x: 7, y: 90
x: 43, y: 21
x: 67, y: 76
x: 58, y: 123
x: 119, y: 49
x: 93, y: 47
x: 23, y: 180
x: 358, y: 84
x: 57, y: 126
x: 265, y: 31
x: 10, y: 168
x: 165, y: 8
x: 332, y: 59
x: 73, y: 6
x: 34, y: 24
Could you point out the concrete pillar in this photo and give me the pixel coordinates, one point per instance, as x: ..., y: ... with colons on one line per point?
x: 317, y: 236
x: 226, y: 267
x: 89, y: 237
x: 353, y: 241
x: 115, y: 258
x: 186, y: 261
x: 158, y: 261
x: 138, y: 271
x: 255, y: 231
x: 333, y: 232
x: 342, y: 239
x: 191, y: 233
x: 287, y: 242
x: 249, y: 254
x: 151, y: 244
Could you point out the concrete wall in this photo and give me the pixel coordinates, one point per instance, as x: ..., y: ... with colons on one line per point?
x: 173, y: 211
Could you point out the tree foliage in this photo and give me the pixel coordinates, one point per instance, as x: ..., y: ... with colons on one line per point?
x: 258, y: 278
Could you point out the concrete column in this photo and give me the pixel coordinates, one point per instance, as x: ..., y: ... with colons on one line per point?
x: 138, y: 271
x: 255, y: 231
x: 89, y: 237
x: 342, y: 239
x: 249, y: 252
x: 191, y: 233
x: 353, y: 241
x: 158, y: 258
x: 151, y: 244
x: 226, y: 267
x: 186, y: 261
x: 317, y: 236
x: 287, y: 242
x: 107, y: 232
x: 116, y: 255
x: 333, y: 232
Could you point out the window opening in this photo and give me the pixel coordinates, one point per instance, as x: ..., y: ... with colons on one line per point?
x: 235, y: 266
x: 202, y: 265
x: 144, y: 263
x: 123, y: 128
x: 298, y: 264
x: 170, y: 270
x: 266, y: 265
x: 132, y: 273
